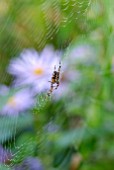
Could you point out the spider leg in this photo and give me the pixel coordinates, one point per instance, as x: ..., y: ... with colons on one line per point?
x: 56, y: 87
x: 51, y: 90
x: 54, y: 67
x: 59, y: 69
x: 58, y: 76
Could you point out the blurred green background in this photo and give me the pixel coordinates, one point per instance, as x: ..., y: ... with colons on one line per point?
x: 80, y: 123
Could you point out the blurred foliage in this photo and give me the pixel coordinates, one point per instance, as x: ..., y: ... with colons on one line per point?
x: 81, y: 132
x: 25, y: 24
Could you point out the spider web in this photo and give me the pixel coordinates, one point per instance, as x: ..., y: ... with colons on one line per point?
x: 54, y: 16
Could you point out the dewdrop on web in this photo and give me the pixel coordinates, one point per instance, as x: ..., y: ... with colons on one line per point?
x: 18, y: 102
x: 33, y: 68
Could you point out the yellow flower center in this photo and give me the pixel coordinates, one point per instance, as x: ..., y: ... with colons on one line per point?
x: 38, y: 71
x: 12, y: 102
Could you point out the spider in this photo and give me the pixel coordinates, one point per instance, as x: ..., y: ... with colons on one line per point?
x: 55, y: 79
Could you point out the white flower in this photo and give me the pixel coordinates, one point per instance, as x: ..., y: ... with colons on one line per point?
x: 82, y: 53
x: 3, y: 89
x: 5, y: 155
x: 51, y: 127
x: 33, y: 68
x: 18, y: 102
